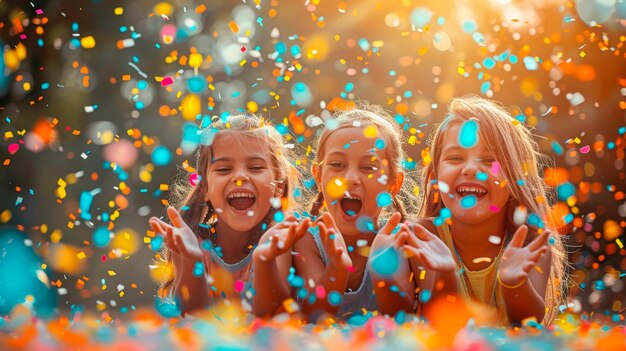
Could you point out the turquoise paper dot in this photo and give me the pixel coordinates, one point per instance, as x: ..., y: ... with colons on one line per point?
x: 101, y: 237
x: 161, y: 156
x: 468, y: 136
x: 468, y: 201
x: 334, y: 298
x: 386, y: 262
x: 384, y: 199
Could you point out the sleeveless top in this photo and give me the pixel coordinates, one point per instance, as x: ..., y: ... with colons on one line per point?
x: 353, y: 302
x: 483, y: 283
x: 230, y: 281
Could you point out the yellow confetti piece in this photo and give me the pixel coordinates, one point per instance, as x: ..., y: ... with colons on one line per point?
x: 422, y: 275
x: 56, y: 236
x: 8, y: 135
x: 370, y: 132
x: 619, y: 243
x: 81, y: 255
x: 481, y: 259
x: 88, y: 42
x: 243, y: 62
x: 195, y: 60
x: 164, y: 187
x: 112, y: 273
x: 538, y: 269
x: 118, y: 11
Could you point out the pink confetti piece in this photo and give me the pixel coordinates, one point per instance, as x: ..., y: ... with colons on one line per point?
x: 166, y: 81
x: 39, y: 11
x: 494, y: 208
x: 23, y: 36
x: 193, y: 179
x: 495, y: 167
x: 239, y: 286
x: 585, y: 149
x: 320, y: 292
x: 13, y: 148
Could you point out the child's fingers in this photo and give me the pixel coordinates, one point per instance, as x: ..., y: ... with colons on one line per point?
x: 302, y: 229
x: 539, y: 241
x: 393, y: 221
x: 536, y: 256
x: 329, y: 220
x: 400, y: 239
x: 422, y: 233
x: 416, y: 254
x: 288, y: 239
x: 323, y: 231
x: 175, y: 217
x: 158, y: 222
x: 519, y: 236
x: 156, y: 227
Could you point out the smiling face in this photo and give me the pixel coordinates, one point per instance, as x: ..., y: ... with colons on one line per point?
x: 240, y: 180
x: 350, y: 177
x: 475, y: 182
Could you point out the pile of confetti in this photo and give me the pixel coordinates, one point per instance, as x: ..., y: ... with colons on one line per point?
x: 100, y: 104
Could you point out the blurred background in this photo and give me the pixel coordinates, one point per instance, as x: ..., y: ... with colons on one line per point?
x: 100, y: 100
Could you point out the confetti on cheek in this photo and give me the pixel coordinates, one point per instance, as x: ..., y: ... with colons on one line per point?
x: 384, y: 199
x: 495, y: 168
x: 336, y: 187
x: 494, y: 208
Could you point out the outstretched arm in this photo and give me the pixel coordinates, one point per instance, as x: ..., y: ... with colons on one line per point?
x: 523, y: 275
x: 271, y: 262
x: 191, y: 289
x: 385, y: 244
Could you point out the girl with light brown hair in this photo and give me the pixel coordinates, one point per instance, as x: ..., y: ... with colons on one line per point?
x: 486, y: 230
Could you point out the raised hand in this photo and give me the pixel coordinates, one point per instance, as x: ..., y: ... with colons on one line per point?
x: 335, y: 246
x: 179, y: 238
x: 280, y: 238
x: 426, y: 249
x: 517, y: 261
x: 385, y: 241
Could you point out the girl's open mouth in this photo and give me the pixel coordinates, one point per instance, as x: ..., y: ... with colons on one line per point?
x: 241, y: 201
x: 351, y: 204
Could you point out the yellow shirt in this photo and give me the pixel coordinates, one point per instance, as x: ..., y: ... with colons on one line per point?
x: 481, y: 286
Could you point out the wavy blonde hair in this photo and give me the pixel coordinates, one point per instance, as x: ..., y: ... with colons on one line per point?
x: 512, y: 144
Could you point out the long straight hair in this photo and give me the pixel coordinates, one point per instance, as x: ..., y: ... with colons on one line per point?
x: 513, y: 146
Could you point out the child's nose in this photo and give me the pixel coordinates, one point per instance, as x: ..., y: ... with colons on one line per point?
x: 470, y: 168
x: 352, y: 176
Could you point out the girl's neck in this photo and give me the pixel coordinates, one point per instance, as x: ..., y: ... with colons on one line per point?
x: 472, y: 240
x: 234, y: 243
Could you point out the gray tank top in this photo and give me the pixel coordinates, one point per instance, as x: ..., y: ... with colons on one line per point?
x: 353, y: 301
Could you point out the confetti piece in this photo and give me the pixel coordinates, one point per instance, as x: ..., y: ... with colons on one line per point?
x: 468, y: 135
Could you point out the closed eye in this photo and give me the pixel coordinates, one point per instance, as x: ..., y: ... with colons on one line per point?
x: 335, y: 165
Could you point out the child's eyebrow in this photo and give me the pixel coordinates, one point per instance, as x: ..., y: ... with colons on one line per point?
x: 451, y: 148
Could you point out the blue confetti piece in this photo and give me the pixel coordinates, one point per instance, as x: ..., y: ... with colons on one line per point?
x: 482, y: 176
x: 468, y: 201
x: 530, y: 63
x: 383, y: 199
x: 101, y: 237
x: 334, y: 298
x: 161, y: 156
x: 469, y: 26
x: 468, y: 136
x: 425, y: 296
x: 489, y: 63
x: 386, y: 262
x: 565, y: 191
